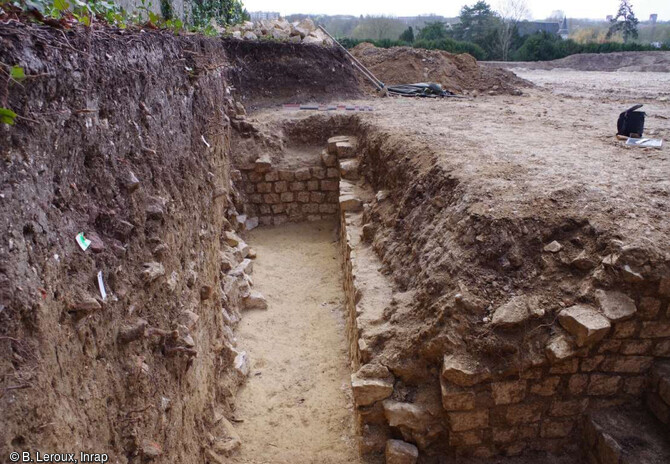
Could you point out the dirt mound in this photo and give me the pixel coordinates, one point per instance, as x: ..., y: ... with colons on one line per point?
x: 609, y: 62
x: 458, y: 73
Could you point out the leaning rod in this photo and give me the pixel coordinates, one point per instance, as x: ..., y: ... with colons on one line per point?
x: 379, y: 84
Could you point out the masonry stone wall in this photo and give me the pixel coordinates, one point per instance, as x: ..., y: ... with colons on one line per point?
x: 277, y: 195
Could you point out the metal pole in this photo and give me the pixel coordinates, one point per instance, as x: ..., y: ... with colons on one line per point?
x: 379, y: 84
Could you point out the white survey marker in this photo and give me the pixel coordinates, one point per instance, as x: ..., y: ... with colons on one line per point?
x: 101, y: 286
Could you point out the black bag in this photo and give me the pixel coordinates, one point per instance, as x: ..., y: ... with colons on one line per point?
x: 631, y: 122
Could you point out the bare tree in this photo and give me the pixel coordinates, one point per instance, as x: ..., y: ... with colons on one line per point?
x: 378, y: 27
x: 510, y: 12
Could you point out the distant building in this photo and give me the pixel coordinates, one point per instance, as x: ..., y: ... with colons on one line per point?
x: 268, y: 15
x: 563, y: 31
x: 653, y: 18
x: 533, y: 27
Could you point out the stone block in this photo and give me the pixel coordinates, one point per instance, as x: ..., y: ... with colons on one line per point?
x: 303, y: 174
x: 255, y: 300
x: 349, y: 169
x: 546, y: 387
x: 585, y: 323
x: 345, y: 150
x: 636, y: 347
x: 603, y: 385
x: 328, y: 159
x: 250, y: 188
x: 504, y: 434
x: 264, y: 187
x: 328, y: 208
x: 263, y: 164
x: 456, y: 399
x: 591, y: 364
x: 271, y: 198
x: 369, y: 391
x: 333, y: 141
x: 664, y: 287
x: 278, y: 208
x: 330, y: 185
x: 286, y: 197
x: 400, y: 452
x: 318, y: 173
x: 467, y: 438
x: 256, y: 198
x: 609, y: 346
x: 281, y: 186
x: 565, y: 408
x: 508, y: 392
x: 626, y: 364
x: 662, y: 349
x: 333, y: 173
x: 312, y: 185
x: 350, y: 203
x: 577, y: 384
x: 310, y: 208
x: 566, y: 367
x: 265, y: 209
x: 655, y: 329
x: 317, y: 197
x: 528, y: 432
x: 616, y: 306
x: 463, y: 370
x: 635, y: 385
x: 297, y: 186
x: 560, y: 348
x: 516, y: 312
x: 303, y: 197
x: 271, y: 176
x: 626, y: 329
x: 279, y: 219
x: 556, y: 429
x: 266, y: 220
x: 649, y: 308
x: 470, y: 420
x: 287, y: 176
x: 411, y: 416
x: 256, y: 177
x: 523, y: 413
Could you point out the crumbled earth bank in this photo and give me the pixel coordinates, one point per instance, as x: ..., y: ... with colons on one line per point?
x: 126, y: 138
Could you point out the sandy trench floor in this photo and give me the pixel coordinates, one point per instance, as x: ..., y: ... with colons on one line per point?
x: 296, y: 406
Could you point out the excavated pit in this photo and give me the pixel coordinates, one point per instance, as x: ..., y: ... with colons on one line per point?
x: 472, y: 334
x: 445, y: 363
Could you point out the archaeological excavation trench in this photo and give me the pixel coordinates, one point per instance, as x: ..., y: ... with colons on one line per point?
x: 297, y: 287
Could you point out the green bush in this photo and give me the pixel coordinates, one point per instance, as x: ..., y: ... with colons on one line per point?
x: 545, y: 47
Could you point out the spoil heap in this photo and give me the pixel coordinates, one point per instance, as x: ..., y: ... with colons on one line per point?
x: 457, y: 73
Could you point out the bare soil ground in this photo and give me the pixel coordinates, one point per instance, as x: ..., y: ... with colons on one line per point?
x: 607, y: 62
x: 296, y: 406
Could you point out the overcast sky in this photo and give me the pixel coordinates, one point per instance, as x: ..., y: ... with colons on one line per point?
x: 540, y: 9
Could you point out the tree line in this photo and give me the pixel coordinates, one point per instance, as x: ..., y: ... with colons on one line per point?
x: 493, y: 34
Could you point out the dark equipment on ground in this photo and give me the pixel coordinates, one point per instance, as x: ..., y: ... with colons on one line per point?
x: 431, y: 90
x: 631, y: 122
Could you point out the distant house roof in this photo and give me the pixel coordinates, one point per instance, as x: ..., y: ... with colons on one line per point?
x: 532, y: 27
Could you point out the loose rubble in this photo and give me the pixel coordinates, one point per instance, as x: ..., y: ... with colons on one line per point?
x: 304, y: 31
